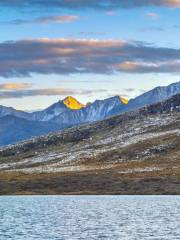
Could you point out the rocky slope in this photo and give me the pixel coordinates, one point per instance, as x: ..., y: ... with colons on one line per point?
x: 133, y: 153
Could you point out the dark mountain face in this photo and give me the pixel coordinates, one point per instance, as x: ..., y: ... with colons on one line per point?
x: 14, y: 129
x: 170, y: 105
x: 5, y: 111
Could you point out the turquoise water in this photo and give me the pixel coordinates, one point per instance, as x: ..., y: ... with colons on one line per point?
x: 90, y: 217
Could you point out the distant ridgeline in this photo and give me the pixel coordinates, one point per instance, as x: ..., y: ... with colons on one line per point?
x: 18, y: 125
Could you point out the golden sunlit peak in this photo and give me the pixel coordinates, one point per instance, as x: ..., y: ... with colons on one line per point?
x: 124, y: 100
x: 72, y: 103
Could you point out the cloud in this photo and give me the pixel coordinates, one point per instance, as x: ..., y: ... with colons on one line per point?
x: 110, y: 13
x: 88, y: 4
x: 141, y: 67
x: 129, y: 89
x: 45, y: 20
x: 65, y: 56
x: 115, y: 93
x: 152, y: 15
x: 46, y: 92
x: 14, y: 86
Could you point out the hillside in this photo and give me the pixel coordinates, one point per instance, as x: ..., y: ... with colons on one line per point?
x: 133, y: 153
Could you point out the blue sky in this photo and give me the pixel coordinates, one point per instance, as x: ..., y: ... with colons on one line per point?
x: 141, y: 28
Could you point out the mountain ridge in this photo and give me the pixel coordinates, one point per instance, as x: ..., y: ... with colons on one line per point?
x: 61, y: 116
x: 157, y: 94
x: 171, y: 105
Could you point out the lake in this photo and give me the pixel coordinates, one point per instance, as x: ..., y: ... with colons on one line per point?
x: 90, y: 217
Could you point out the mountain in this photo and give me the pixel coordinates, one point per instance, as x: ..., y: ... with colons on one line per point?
x: 133, y: 153
x: 5, y: 111
x: 98, y: 110
x: 67, y: 105
x: 14, y: 129
x: 18, y: 126
x: 50, y: 112
x: 69, y: 112
x: 156, y: 95
x: 72, y: 103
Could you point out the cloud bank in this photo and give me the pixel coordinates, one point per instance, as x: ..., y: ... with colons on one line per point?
x: 45, y: 20
x: 14, y: 86
x: 91, y: 4
x: 62, y: 56
x: 152, y: 15
x: 20, y: 93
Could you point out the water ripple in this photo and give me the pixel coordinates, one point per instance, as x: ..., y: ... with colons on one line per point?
x: 90, y: 217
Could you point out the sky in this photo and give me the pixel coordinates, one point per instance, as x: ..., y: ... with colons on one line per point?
x: 89, y: 49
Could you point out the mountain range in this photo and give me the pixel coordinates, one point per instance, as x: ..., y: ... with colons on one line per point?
x: 136, y: 152
x: 19, y: 125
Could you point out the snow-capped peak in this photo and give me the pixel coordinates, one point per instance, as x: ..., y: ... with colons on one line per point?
x: 124, y: 100
x: 72, y: 103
